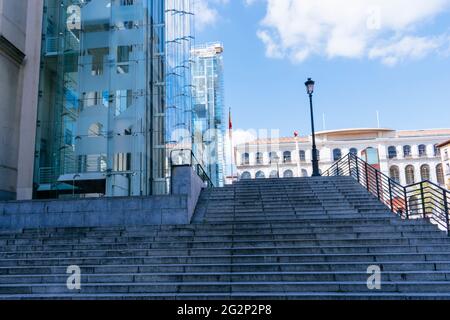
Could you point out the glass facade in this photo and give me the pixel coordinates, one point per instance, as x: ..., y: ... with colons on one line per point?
x: 114, y: 90
x: 209, y: 116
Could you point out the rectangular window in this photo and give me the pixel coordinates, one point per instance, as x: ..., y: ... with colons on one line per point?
x: 124, y: 100
x: 123, y: 59
x: 98, y: 56
x: 122, y: 162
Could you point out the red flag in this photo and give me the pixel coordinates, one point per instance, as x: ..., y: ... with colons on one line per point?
x: 230, y: 123
x: 296, y: 134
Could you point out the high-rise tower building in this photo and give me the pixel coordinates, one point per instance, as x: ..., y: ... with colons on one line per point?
x: 209, y: 116
x: 114, y: 91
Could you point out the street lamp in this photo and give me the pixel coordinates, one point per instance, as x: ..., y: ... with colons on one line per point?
x: 315, y: 162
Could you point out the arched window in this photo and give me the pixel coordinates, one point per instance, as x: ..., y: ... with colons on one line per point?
x: 245, y: 159
x: 259, y: 158
x: 304, y: 173
x: 287, y: 157
x: 302, y: 155
x: 274, y: 174
x: 394, y: 173
x: 354, y: 151
x: 337, y: 154
x: 273, y: 157
x: 246, y: 175
x: 260, y: 175
x: 409, y: 172
x: 392, y: 152
x: 407, y: 151
x: 95, y: 130
x: 288, y: 174
x: 422, y: 150
x: 440, y: 174
x: 425, y: 172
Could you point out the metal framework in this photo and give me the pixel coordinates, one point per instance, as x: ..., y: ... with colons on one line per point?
x: 115, y: 93
x: 419, y: 200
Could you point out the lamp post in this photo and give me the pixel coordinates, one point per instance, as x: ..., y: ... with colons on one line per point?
x: 315, y: 162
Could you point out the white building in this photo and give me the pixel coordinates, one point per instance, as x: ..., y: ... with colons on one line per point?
x: 406, y: 156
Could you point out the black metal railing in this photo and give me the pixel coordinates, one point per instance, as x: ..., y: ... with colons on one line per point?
x: 419, y: 200
x: 184, y: 157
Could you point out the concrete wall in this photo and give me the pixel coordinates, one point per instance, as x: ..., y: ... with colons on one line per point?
x: 13, y: 21
x: 13, y: 16
x: 29, y: 100
x: 9, y: 124
x: 174, y: 209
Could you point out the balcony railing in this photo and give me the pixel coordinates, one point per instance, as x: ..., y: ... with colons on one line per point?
x: 419, y: 200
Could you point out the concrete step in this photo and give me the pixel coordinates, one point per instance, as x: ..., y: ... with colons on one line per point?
x: 227, y: 277
x: 257, y: 243
x: 227, y: 287
x: 120, y: 251
x: 238, y: 296
x: 235, y: 239
x: 398, y: 266
x: 215, y: 259
x: 311, y: 238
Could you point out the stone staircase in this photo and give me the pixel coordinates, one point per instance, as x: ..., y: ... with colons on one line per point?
x: 296, y: 238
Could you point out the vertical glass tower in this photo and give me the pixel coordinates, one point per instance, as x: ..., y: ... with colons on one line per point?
x: 209, y: 116
x: 114, y: 86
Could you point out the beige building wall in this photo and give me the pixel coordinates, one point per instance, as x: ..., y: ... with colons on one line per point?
x: 20, y: 34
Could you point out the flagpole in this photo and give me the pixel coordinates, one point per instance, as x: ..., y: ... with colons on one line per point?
x: 230, y: 132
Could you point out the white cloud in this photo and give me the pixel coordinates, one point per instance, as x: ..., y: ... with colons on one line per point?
x: 378, y: 29
x: 206, y: 13
x: 407, y: 48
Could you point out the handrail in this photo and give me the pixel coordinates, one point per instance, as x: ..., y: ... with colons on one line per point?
x: 192, y: 161
x: 423, y: 199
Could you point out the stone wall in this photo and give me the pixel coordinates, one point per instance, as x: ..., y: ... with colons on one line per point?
x: 176, y: 208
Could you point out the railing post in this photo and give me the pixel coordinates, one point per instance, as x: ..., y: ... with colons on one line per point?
x: 367, y: 176
x: 422, y: 195
x: 357, y: 169
x: 337, y: 169
x: 378, y: 185
x: 390, y: 195
x: 406, y: 202
x: 444, y: 192
x: 350, y: 165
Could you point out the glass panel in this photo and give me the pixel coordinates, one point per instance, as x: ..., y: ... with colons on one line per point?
x: 104, y: 113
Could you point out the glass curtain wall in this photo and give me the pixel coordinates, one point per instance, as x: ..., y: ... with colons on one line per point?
x: 105, y: 93
x: 209, y: 123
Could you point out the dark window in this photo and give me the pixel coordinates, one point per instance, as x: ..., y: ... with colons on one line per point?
x: 422, y: 150
x: 409, y: 172
x: 392, y: 152
x: 407, y: 151
x: 337, y: 154
x: 302, y: 155
x: 287, y: 157
x: 394, y: 173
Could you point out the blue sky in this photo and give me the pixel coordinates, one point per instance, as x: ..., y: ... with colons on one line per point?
x: 401, y: 68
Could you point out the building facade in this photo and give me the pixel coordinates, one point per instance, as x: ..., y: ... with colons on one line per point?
x: 405, y: 156
x: 19, y: 46
x: 114, y: 92
x: 209, y: 116
x: 445, y: 155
